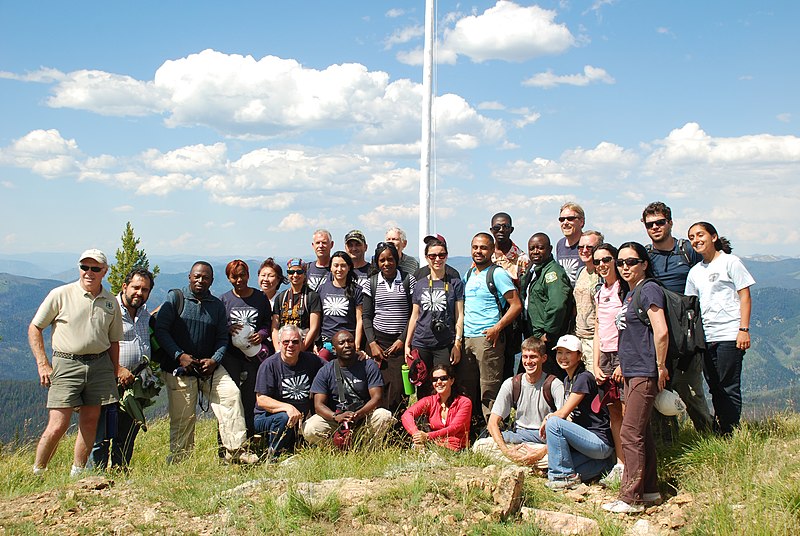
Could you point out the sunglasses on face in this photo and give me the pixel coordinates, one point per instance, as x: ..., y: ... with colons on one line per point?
x: 295, y: 272
x: 604, y: 260
x: 585, y: 247
x: 499, y: 227
x: 434, y: 256
x: 656, y: 223
x: 95, y: 269
x: 290, y: 341
x: 629, y: 262
x: 562, y: 219
x: 436, y: 379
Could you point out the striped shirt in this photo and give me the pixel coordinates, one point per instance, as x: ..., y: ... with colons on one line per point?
x: 135, y: 336
x: 391, y: 304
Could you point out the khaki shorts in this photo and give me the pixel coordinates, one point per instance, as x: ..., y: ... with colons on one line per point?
x: 77, y: 382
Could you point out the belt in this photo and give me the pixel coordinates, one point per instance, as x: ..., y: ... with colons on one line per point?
x: 79, y: 357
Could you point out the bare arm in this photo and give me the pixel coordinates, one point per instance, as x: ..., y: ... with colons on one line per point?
x: 412, y: 325
x: 359, y: 327
x: 314, y: 326
x: 455, y: 354
x: 36, y: 342
x: 743, y: 337
x: 514, y: 308
x: 661, y: 340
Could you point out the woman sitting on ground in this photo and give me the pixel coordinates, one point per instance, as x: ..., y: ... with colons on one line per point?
x: 581, y: 448
x: 298, y: 306
x: 447, y: 413
x: 608, y: 304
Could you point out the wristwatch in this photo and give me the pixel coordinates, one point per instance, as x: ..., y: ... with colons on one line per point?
x: 746, y: 330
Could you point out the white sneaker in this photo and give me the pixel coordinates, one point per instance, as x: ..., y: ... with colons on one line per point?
x: 76, y: 471
x: 654, y: 497
x: 39, y: 471
x: 621, y: 507
x: 613, y: 477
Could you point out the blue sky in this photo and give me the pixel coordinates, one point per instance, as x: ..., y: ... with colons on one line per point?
x: 238, y: 128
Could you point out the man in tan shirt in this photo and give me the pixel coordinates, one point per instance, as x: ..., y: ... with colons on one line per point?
x: 86, y: 325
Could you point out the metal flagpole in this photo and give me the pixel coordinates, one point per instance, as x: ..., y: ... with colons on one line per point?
x: 426, y: 142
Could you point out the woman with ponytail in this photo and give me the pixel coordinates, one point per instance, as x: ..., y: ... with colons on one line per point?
x: 722, y: 285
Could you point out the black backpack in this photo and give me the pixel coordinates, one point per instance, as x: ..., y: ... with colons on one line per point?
x: 547, y: 391
x: 492, y: 287
x: 159, y: 354
x: 682, y: 313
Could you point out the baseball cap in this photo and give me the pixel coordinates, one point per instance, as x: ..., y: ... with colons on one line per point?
x: 355, y: 234
x: 570, y: 342
x: 295, y: 262
x: 438, y: 237
x: 95, y: 254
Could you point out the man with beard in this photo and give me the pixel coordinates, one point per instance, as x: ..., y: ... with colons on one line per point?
x: 486, y: 315
x: 133, y: 349
x: 547, y: 298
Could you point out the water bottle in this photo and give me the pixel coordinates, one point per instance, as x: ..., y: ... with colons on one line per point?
x: 407, y: 387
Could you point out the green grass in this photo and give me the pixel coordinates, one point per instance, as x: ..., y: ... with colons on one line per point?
x: 746, y: 484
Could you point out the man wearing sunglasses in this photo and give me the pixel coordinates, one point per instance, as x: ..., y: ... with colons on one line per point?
x: 571, y: 219
x: 507, y: 254
x: 86, y: 324
x: 671, y: 260
x: 283, y: 391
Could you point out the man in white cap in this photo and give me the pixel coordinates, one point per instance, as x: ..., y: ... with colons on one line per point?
x: 86, y: 324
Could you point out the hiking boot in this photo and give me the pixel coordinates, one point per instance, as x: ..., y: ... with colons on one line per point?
x: 569, y: 482
x: 621, y: 507
x: 613, y: 477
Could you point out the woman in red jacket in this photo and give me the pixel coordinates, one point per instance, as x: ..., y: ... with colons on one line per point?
x: 446, y: 411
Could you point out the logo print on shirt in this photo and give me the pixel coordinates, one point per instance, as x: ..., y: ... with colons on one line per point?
x: 296, y: 388
x: 244, y: 315
x: 335, y: 305
x: 433, y: 300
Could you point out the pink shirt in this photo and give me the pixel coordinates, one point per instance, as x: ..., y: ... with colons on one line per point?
x: 455, y: 433
x: 608, y: 305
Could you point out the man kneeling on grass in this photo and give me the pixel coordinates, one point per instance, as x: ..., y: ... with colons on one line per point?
x: 534, y: 396
x: 347, y: 392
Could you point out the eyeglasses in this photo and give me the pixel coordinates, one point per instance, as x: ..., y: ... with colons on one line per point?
x: 656, y: 223
x: 604, y: 260
x: 295, y: 272
x: 585, y: 247
x: 290, y: 341
x: 499, y: 227
x: 434, y: 256
x: 629, y: 262
x: 95, y: 269
x: 562, y: 219
x: 436, y: 379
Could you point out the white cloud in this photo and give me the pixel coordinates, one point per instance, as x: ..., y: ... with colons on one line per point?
x: 507, y: 32
x: 662, y: 30
x: 491, y: 105
x: 7, y: 184
x: 124, y: 208
x: 403, y: 35
x: 108, y: 94
x: 395, y: 12
x: 527, y: 119
x: 784, y: 117
x: 296, y: 221
x: 410, y: 57
x: 10, y: 239
x: 45, y: 152
x: 383, y: 216
x: 548, y: 80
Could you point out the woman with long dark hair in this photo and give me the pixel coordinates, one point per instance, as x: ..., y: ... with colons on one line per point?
x: 387, y: 308
x: 298, y: 305
x: 436, y: 326
x: 447, y: 413
x: 722, y: 284
x: 342, y: 299
x: 607, y: 372
x: 248, y: 310
x: 642, y: 359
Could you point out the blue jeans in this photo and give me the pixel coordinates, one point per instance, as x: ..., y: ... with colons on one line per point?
x: 279, y: 436
x: 572, y: 449
x: 522, y: 435
x: 116, y: 433
x: 723, y: 372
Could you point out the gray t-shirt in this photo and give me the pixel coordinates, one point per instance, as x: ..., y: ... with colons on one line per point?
x: 532, y: 407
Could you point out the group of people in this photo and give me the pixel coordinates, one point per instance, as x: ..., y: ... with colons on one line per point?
x: 323, y: 361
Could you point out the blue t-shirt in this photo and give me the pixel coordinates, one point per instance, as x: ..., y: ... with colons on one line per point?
x: 480, y: 307
x: 291, y: 385
x: 671, y: 268
x: 582, y: 415
x: 254, y: 310
x: 436, y: 300
x: 316, y: 276
x: 359, y: 378
x: 637, y: 349
x: 338, y: 311
x: 567, y: 256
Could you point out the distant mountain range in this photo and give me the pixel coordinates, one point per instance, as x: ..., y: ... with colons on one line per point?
x: 771, y: 368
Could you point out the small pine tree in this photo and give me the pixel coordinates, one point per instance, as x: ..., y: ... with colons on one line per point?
x: 129, y: 256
